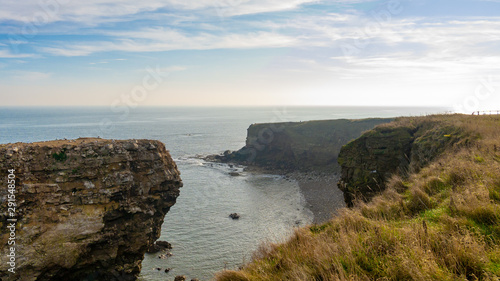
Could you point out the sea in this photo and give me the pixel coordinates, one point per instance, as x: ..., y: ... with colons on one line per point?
x: 205, y: 240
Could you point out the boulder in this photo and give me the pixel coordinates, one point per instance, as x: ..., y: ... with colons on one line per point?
x: 234, y: 216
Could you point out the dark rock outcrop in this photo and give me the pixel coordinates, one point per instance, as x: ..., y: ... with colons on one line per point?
x: 234, y: 216
x: 159, y: 246
x: 87, y: 209
x: 402, y: 147
x: 302, y: 146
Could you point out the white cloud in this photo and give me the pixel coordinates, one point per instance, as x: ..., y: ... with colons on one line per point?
x: 243, y: 7
x: 157, y: 40
x: 447, y: 54
x: 93, y: 11
x: 9, y: 55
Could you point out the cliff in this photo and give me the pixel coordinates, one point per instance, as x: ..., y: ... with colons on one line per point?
x: 86, y: 209
x: 439, y: 220
x: 304, y: 146
x: 399, y: 148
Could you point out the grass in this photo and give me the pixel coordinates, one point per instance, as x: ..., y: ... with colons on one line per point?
x: 440, y: 223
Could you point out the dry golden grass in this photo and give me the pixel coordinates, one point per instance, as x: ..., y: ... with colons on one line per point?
x: 442, y: 223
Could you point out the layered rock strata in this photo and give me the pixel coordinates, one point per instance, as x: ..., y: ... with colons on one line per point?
x: 85, y: 209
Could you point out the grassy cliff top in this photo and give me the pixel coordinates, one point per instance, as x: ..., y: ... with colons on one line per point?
x: 441, y: 223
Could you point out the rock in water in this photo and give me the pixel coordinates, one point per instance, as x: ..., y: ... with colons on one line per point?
x: 234, y: 216
x: 159, y: 246
x: 87, y: 209
x: 164, y: 245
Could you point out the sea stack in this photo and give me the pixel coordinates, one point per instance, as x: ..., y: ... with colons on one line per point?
x: 85, y: 209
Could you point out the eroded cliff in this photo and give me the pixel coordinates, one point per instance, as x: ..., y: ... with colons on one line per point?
x: 86, y: 209
x: 440, y: 223
x: 401, y: 148
x: 303, y: 146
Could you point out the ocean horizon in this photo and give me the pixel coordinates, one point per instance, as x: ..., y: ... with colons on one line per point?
x: 204, y: 239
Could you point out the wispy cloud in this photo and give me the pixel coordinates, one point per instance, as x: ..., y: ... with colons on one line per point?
x: 9, y: 55
x: 101, y: 62
x: 93, y: 11
x: 30, y: 75
x: 422, y: 49
x: 315, y: 41
x: 157, y: 40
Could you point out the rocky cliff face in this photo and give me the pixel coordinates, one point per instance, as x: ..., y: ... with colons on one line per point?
x: 86, y: 209
x: 401, y: 147
x: 305, y: 146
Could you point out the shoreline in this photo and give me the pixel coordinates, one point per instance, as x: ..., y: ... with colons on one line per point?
x: 322, y: 195
x: 320, y: 191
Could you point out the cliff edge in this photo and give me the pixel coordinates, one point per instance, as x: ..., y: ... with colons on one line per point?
x: 400, y: 148
x: 299, y: 146
x: 85, y: 209
x: 439, y: 219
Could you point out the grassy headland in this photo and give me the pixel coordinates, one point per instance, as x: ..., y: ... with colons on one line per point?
x: 299, y: 146
x: 438, y: 222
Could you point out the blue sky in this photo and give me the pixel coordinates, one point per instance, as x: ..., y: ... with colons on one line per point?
x: 251, y: 52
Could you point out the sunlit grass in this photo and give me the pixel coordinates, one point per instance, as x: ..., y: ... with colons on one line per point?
x: 441, y: 223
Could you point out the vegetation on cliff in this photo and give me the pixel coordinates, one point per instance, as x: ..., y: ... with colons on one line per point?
x: 403, y: 147
x: 304, y: 146
x: 440, y: 221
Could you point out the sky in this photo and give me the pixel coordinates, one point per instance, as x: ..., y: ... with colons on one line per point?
x: 251, y: 52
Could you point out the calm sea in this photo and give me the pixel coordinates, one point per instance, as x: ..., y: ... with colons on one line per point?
x: 205, y: 240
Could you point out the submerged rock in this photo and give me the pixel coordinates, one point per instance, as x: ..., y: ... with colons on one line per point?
x: 234, y: 216
x: 87, y: 209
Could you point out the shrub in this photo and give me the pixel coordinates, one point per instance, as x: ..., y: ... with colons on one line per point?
x: 61, y: 156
